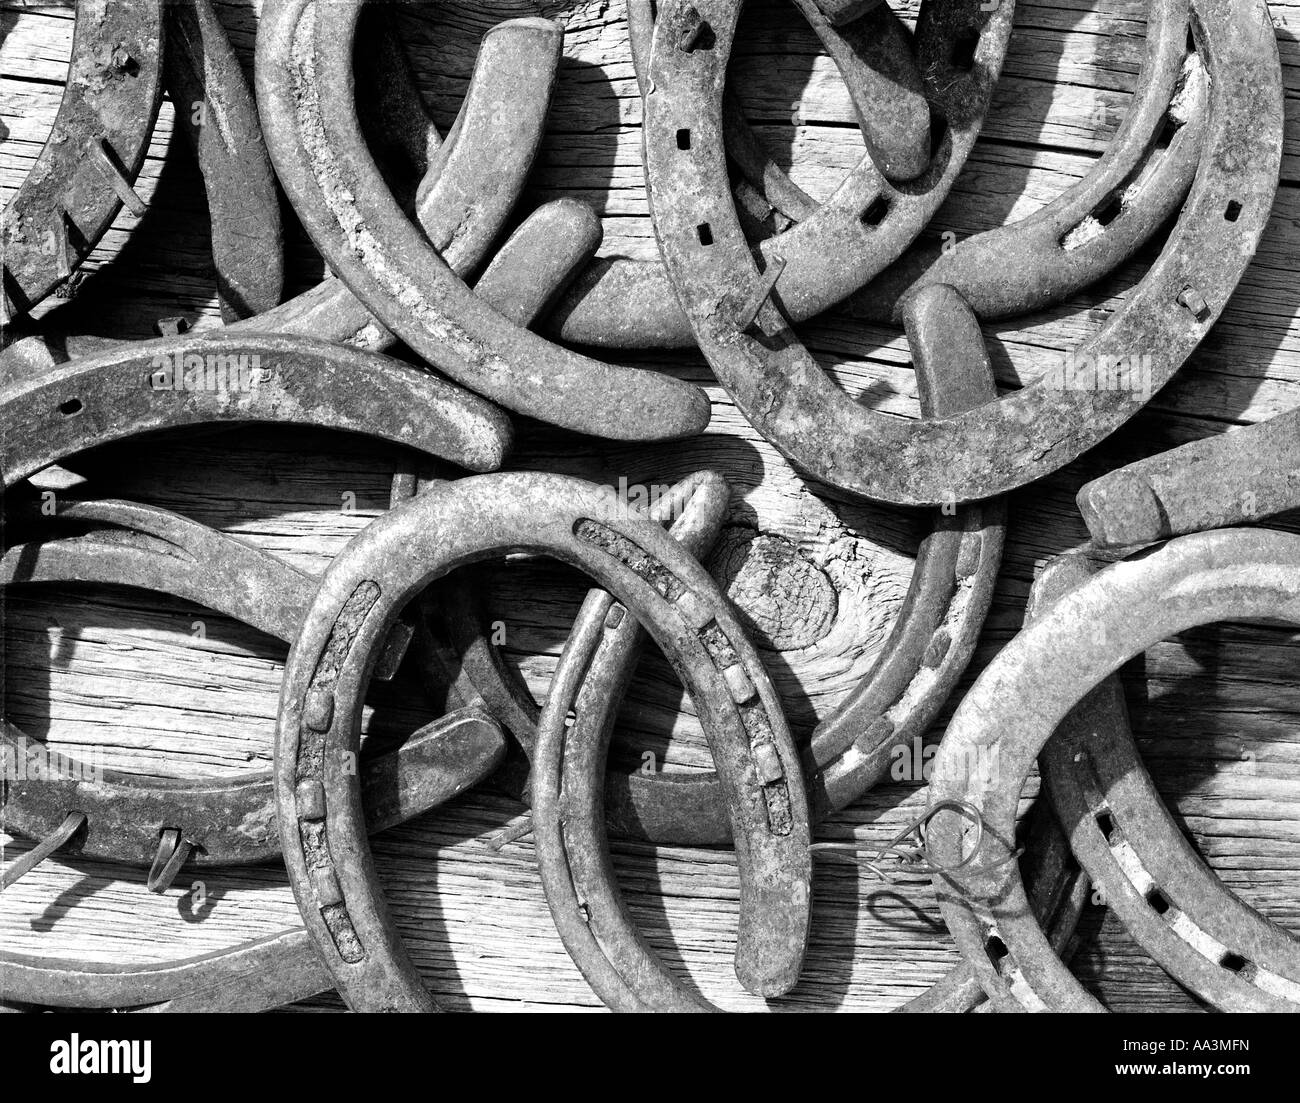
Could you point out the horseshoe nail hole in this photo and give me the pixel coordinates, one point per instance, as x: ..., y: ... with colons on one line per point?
x: 963, y: 50
x: 1156, y: 898
x: 1106, y: 824
x: 938, y: 132
x: 875, y: 214
x: 1234, y: 963
x: 1166, y: 136
x: 70, y: 408
x: 698, y: 37
x: 705, y: 233
x: 1232, y: 211
x: 684, y: 139
x: 996, y: 949
x: 1110, y: 210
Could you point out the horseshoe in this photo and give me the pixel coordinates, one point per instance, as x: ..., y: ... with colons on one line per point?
x: 874, y: 55
x: 304, y: 79
x: 925, y: 655
x: 214, y: 107
x: 154, y: 386
x: 470, y: 183
x: 1243, y: 476
x: 863, y: 227
x: 573, y: 851
x: 1159, y: 887
x: 567, y: 776
x: 89, y: 163
x: 450, y: 525
x: 1029, y: 690
x: 226, y: 821
x: 435, y: 764
x: 464, y: 198
x: 1093, y: 226
x: 1022, y: 436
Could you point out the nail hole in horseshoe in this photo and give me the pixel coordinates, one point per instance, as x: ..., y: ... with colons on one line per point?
x: 1166, y: 136
x: 70, y: 408
x: 684, y: 138
x: 705, y: 233
x: 1232, y: 211
x: 963, y: 50
x: 996, y: 949
x: 938, y: 132
x: 1157, y: 900
x: 875, y: 214
x: 1234, y: 963
x: 700, y: 36
x: 1109, y: 210
x: 1106, y: 824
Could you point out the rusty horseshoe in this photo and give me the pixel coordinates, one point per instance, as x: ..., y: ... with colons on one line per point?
x: 304, y: 66
x: 1024, y: 696
x: 453, y: 524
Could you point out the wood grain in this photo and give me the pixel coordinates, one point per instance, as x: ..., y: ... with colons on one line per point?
x: 1216, y: 710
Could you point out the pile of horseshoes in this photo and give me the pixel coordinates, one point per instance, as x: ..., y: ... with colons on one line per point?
x: 402, y: 216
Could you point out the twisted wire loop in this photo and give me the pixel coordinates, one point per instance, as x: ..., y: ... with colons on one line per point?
x: 916, y: 859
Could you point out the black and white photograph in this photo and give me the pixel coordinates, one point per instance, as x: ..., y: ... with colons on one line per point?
x: 650, y: 506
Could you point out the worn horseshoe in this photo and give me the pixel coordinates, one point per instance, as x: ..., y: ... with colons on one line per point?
x: 568, y: 772
x: 214, y: 107
x: 1024, y: 695
x: 88, y: 166
x: 1087, y: 231
x: 469, y: 184
x: 925, y: 655
x: 853, y: 236
x: 875, y: 57
x: 1242, y: 476
x: 434, y: 765
x: 1021, y: 437
x: 304, y: 81
x: 1160, y: 888
x: 569, y: 815
x: 464, y: 199
x: 874, y: 53
x: 572, y: 846
x: 1092, y: 227
x: 226, y: 821
x: 454, y: 524
x: 197, y: 380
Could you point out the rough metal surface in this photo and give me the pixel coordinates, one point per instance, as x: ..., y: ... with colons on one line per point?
x: 230, y: 821
x: 1092, y: 227
x: 874, y: 54
x: 865, y: 226
x: 1025, y: 694
x: 568, y: 781
x: 304, y: 91
x: 1145, y: 869
x: 215, y: 108
x: 329, y: 862
x: 1243, y: 476
x: 924, y: 657
x: 169, y: 384
x: 432, y: 766
x: 1025, y: 435
x: 89, y: 163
